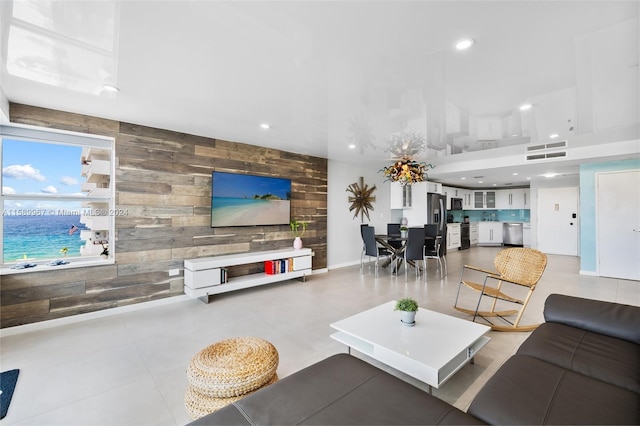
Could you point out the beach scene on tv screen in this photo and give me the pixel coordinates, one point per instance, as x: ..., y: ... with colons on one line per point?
x: 244, y: 200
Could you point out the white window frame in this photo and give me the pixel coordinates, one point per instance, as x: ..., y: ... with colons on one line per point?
x: 53, y: 136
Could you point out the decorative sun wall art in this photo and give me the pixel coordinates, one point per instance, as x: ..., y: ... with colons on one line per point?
x: 361, y: 200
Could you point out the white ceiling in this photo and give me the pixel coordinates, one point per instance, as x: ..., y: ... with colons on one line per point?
x: 322, y: 74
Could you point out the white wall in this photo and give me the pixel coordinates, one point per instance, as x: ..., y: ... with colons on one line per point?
x: 344, y: 244
x: 4, y: 108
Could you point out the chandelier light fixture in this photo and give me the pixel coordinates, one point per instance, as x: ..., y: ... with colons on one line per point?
x: 406, y: 170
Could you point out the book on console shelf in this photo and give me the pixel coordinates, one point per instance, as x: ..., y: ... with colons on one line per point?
x: 279, y: 266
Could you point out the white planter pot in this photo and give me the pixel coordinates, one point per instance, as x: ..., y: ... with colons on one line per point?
x: 408, y: 318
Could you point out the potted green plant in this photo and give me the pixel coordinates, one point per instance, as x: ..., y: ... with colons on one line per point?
x: 298, y: 228
x: 404, y: 231
x: 408, y: 308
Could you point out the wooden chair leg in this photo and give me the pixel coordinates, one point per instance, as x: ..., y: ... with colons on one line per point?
x: 495, y: 300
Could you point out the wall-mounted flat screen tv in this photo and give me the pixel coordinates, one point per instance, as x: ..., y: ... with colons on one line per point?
x: 248, y: 200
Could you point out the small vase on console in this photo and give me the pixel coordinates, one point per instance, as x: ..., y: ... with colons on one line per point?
x: 297, y: 230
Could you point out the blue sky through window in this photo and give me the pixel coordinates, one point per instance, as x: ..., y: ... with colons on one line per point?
x: 40, y: 168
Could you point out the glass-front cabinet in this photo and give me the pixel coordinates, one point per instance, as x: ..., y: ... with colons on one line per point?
x: 400, y: 196
x: 484, y: 199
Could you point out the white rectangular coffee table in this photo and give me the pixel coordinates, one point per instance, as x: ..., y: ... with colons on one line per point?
x: 431, y: 351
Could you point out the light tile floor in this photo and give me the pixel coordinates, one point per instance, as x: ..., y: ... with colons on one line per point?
x: 130, y: 368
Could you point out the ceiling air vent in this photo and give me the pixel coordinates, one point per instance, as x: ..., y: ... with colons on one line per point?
x: 547, y: 151
x: 560, y: 154
x: 552, y: 145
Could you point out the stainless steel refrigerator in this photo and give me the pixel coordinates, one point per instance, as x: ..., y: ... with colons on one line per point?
x: 437, y: 214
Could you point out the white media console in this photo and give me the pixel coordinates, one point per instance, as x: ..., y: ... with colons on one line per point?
x: 207, y: 275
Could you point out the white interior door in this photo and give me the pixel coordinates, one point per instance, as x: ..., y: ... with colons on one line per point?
x: 618, y: 224
x: 557, y: 228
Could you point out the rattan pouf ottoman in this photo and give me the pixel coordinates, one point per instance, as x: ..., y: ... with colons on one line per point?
x: 228, y: 370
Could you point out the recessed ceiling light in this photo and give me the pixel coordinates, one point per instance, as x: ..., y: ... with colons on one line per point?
x: 528, y: 178
x: 553, y: 135
x: 265, y: 126
x: 480, y: 181
x: 515, y: 174
x: 110, y: 88
x: 352, y: 146
x: 550, y: 175
x: 525, y: 107
x: 495, y: 184
x: 464, y: 43
x: 463, y: 178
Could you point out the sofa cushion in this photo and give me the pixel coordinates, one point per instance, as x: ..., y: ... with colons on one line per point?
x: 340, y: 390
x: 527, y: 390
x: 611, y: 319
x: 601, y: 357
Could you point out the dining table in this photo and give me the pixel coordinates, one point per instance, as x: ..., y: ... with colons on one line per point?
x: 397, y: 251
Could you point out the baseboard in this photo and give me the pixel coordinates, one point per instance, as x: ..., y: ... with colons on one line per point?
x: 589, y: 273
x: 43, y: 325
x: 344, y: 265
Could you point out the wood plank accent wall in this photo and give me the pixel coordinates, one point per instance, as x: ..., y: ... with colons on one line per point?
x: 163, y: 179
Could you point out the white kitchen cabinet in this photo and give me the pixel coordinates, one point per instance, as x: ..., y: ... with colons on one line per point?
x: 510, y: 198
x: 489, y: 128
x: 434, y: 187
x: 526, y: 234
x: 518, y: 198
x: 473, y: 233
x: 400, y: 196
x: 489, y: 233
x: 503, y: 199
x: 449, y: 192
x: 484, y: 200
x: 453, y: 236
x: 452, y: 192
x: 416, y: 214
x: 467, y: 199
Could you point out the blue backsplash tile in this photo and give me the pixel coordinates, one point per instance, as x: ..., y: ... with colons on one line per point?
x: 491, y: 215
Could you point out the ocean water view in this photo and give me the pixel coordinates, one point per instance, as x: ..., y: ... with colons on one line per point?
x: 41, y: 237
x: 231, y: 211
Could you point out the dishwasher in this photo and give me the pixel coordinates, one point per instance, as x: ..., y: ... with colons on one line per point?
x: 512, y: 234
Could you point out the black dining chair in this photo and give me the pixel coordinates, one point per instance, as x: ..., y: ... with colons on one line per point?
x: 414, y: 251
x: 394, y: 229
x: 371, y: 248
x: 433, y: 249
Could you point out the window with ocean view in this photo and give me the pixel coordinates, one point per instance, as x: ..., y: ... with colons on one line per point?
x: 57, y: 198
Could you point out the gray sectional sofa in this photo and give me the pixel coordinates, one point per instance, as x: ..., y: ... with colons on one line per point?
x: 582, y: 366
